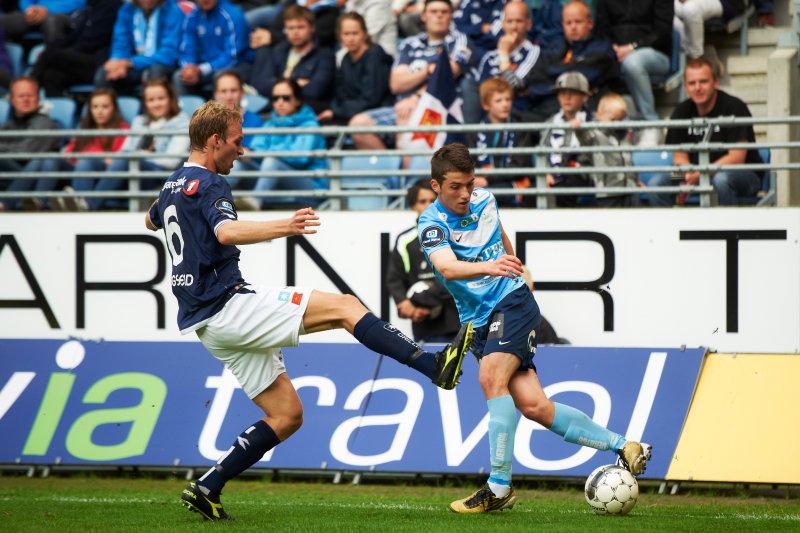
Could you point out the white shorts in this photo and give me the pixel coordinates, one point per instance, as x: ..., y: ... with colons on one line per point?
x: 248, y: 333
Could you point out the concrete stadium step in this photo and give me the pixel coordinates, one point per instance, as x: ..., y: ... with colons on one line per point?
x: 750, y: 93
x: 746, y: 65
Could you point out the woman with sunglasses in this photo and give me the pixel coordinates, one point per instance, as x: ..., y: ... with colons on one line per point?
x: 288, y: 111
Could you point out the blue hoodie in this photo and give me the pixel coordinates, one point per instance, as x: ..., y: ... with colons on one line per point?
x: 304, y: 118
x: 217, y: 39
x: 167, y: 39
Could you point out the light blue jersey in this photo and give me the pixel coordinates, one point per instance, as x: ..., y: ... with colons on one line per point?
x: 474, y: 237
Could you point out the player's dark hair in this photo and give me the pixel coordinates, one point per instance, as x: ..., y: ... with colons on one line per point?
x: 358, y: 19
x: 413, y: 192
x: 89, y: 123
x: 209, y: 119
x: 295, y: 12
x: 174, y: 105
x: 451, y: 158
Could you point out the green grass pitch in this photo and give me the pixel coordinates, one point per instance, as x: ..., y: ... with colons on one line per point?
x: 86, y: 504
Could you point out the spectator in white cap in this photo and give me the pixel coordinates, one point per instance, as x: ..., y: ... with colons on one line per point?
x: 572, y: 91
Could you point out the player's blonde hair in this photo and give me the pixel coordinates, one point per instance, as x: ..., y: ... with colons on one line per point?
x: 210, y: 118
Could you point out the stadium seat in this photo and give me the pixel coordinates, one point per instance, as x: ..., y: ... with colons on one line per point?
x: 189, y: 103
x: 421, y: 163
x: 17, y: 54
x: 650, y: 159
x: 362, y: 183
x: 738, y: 23
x: 254, y: 102
x: 33, y: 57
x: 129, y: 107
x: 5, y: 106
x: 62, y: 110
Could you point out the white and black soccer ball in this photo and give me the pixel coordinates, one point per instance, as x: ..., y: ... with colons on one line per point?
x: 611, y: 489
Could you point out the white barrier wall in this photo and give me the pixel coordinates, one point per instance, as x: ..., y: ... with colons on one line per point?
x: 728, y: 279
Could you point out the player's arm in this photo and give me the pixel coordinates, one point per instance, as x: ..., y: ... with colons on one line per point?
x: 149, y: 223
x: 250, y: 232
x: 507, y: 242
x: 148, y: 218
x: 451, y: 268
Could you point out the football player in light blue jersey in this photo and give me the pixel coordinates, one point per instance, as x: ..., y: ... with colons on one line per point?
x: 464, y: 241
x: 243, y: 325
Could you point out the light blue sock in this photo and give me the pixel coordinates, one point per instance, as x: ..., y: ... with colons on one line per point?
x: 502, y: 426
x: 574, y: 426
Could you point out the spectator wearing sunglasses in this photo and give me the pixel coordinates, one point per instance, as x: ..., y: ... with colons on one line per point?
x: 288, y: 111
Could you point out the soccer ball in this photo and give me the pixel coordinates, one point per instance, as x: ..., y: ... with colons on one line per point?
x: 611, y: 489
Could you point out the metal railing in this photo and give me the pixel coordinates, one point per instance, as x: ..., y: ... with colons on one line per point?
x: 334, y: 195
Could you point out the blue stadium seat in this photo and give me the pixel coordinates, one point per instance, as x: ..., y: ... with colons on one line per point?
x: 650, y: 159
x: 5, y: 106
x: 84, y: 89
x: 362, y: 183
x: 189, y: 103
x: 33, y: 57
x: 17, y: 55
x: 63, y: 111
x: 254, y: 102
x: 129, y: 107
x: 418, y: 162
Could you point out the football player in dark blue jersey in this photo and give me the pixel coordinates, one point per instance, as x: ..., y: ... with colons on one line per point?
x: 472, y: 256
x: 244, y: 325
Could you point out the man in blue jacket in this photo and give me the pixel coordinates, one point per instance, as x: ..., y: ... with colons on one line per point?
x: 216, y: 37
x: 297, y: 58
x: 145, y: 44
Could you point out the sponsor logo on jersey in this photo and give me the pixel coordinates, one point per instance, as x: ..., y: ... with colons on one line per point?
x: 283, y: 296
x: 431, y: 236
x: 174, y: 185
x: 182, y: 280
x: 190, y: 188
x: 297, y: 298
x: 225, y: 207
x: 469, y: 220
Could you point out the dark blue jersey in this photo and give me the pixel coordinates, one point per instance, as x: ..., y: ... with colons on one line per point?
x: 193, y: 204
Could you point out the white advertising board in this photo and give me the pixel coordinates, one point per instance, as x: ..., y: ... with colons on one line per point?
x: 728, y: 279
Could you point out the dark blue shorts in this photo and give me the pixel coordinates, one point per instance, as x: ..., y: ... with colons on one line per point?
x: 513, y: 328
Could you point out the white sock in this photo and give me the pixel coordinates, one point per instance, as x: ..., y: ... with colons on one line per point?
x: 499, y: 490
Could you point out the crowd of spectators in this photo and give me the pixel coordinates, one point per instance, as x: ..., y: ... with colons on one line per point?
x: 356, y: 62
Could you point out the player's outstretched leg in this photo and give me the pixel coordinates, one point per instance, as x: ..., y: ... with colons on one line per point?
x: 443, y: 368
x: 208, y: 505
x: 484, y: 501
x: 575, y: 426
x: 449, y: 360
x: 634, y: 456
